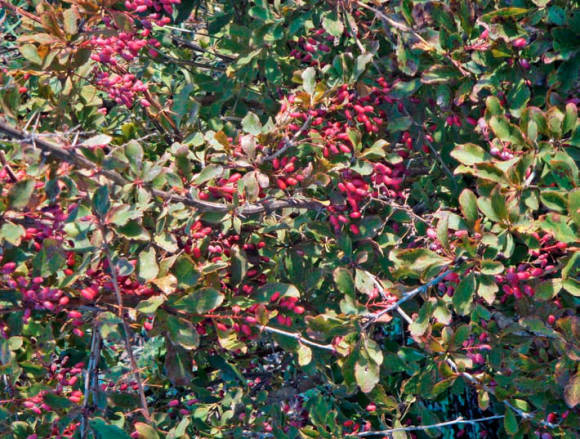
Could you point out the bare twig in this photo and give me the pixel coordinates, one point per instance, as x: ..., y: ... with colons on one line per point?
x: 441, y: 162
x: 288, y: 143
x: 473, y: 380
x: 62, y: 153
x: 198, y: 48
x: 407, y: 296
x: 298, y: 337
x: 429, y: 427
x: 6, y: 165
x: 404, y: 28
x: 91, y: 378
x: 19, y: 11
x: 126, y: 329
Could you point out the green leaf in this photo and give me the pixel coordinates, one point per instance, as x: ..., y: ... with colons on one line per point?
x: 251, y: 124
x: 367, y: 374
x: 19, y: 195
x: 134, y: 153
x: 443, y: 230
x: 506, y: 131
x: 557, y: 226
x: 510, y: 422
x: 470, y: 154
x: 167, y: 242
x: 260, y: 13
x: 147, y: 265
x: 133, y: 230
x: 101, y: 201
x: 570, y: 118
x: 56, y: 402
x: 405, y: 89
x: 149, y: 306
x: 421, y: 322
x: 555, y: 122
x: 70, y: 20
x: 491, y: 267
x: 211, y: 172
x: 181, y: 428
x: 30, y: 53
x: 146, y: 431
x: 463, y: 296
x: 185, y: 272
x: 98, y: 140
x: 468, y: 204
x: 201, y: 301
x: 364, y: 281
x: 399, y: 124
x: 415, y: 262
x: 548, y: 289
x: 344, y: 281
x: 12, y: 233
x: 182, y: 333
x: 574, y: 206
x: 493, y: 106
x: 107, y: 431
x: 239, y: 265
x: 373, y: 350
x: 518, y: 97
x: 304, y: 355
x: 369, y: 226
x: 333, y: 24
x: 572, y: 286
x: 49, y: 259
x: 486, y: 207
x: 572, y: 391
x: 361, y: 64
x: 229, y: 371
x: 309, y: 80
x: 498, y: 204
x: 178, y: 366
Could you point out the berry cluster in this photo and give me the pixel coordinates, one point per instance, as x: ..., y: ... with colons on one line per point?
x: 310, y: 49
x: 123, y: 89
x: 111, y: 49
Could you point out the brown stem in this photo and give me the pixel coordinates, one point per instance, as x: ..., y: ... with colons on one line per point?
x: 9, y: 170
x: 91, y: 377
x: 62, y: 153
x: 126, y: 329
x: 19, y: 11
x: 288, y: 143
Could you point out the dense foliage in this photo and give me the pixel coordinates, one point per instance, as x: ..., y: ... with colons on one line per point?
x: 289, y: 219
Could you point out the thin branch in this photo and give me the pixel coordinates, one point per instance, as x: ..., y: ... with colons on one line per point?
x: 407, y: 296
x: 19, y: 11
x: 121, y: 313
x: 91, y: 377
x: 298, y: 337
x: 62, y: 153
x: 441, y: 162
x: 473, y: 380
x: 186, y: 62
x: 429, y: 427
x: 7, y: 167
x: 288, y: 143
x: 198, y: 48
x: 404, y: 28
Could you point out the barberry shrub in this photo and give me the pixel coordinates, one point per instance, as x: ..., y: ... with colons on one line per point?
x: 302, y: 219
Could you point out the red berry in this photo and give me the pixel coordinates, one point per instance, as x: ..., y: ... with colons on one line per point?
x: 173, y: 403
